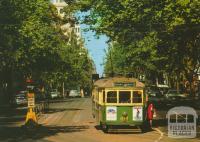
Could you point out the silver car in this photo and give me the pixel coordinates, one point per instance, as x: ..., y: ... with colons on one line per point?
x: 74, y: 93
x: 174, y: 97
x: 54, y: 94
x: 20, y: 99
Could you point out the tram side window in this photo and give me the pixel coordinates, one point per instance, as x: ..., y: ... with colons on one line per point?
x: 112, y: 97
x: 137, y: 97
x: 104, y: 97
x: 124, y: 96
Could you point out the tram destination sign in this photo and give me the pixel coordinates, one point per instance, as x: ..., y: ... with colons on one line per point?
x: 125, y: 84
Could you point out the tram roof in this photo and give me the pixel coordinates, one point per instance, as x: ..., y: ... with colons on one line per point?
x: 111, y: 82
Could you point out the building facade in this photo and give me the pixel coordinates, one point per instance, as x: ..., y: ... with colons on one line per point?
x: 67, y: 28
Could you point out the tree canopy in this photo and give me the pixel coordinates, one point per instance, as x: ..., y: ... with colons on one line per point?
x: 32, y: 44
x: 155, y: 36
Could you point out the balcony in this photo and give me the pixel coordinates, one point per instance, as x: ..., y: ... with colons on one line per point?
x: 59, y: 3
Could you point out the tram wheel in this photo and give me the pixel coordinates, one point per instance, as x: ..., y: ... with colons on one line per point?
x: 100, y: 125
x: 105, y: 128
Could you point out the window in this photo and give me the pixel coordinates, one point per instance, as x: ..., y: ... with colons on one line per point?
x: 137, y: 97
x: 124, y: 96
x: 61, y: 11
x: 104, y: 98
x: 112, y: 97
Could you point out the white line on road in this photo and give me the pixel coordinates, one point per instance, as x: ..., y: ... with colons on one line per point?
x: 161, y: 134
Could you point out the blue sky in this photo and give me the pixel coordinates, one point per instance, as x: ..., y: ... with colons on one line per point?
x: 96, y: 48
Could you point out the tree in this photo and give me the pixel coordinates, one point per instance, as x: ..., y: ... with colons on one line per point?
x: 34, y: 45
x: 175, y: 26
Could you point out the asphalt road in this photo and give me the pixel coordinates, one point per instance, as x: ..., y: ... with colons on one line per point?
x: 70, y: 120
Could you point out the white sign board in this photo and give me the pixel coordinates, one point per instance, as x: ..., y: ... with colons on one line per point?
x: 31, y: 100
x: 137, y: 113
x: 111, y: 113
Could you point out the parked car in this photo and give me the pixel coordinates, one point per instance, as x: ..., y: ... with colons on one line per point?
x: 54, y: 94
x: 74, y: 93
x: 163, y: 88
x: 19, y: 99
x: 173, y: 97
x: 156, y: 98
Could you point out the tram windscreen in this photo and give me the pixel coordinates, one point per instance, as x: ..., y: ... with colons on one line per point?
x: 137, y: 97
x: 124, y: 96
x: 112, y: 97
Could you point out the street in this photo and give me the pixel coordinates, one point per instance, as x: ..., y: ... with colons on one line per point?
x: 71, y: 120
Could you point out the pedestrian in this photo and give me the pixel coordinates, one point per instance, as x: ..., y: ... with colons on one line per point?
x: 150, y: 113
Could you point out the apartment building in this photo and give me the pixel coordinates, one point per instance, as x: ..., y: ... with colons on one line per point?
x: 67, y: 28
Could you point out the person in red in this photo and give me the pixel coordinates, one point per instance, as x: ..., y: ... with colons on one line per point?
x: 150, y: 112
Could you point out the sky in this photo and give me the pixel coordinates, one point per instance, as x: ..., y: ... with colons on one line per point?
x: 96, y: 48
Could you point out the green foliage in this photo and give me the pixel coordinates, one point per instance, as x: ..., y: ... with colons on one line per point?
x: 33, y: 44
x: 155, y: 36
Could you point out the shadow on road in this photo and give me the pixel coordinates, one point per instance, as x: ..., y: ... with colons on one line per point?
x: 19, y: 133
x: 54, y: 110
x: 60, y: 100
x: 161, y: 122
x: 123, y: 130
x: 10, y: 115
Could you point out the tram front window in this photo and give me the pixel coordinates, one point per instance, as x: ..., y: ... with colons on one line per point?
x: 124, y: 96
x: 112, y: 97
x: 137, y: 97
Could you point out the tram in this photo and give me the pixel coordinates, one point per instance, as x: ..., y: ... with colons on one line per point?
x: 119, y: 101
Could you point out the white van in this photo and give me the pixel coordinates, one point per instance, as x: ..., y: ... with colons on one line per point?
x: 74, y: 93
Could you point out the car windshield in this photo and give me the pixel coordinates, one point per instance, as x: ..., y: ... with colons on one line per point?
x: 20, y: 95
x: 73, y: 91
x: 155, y: 94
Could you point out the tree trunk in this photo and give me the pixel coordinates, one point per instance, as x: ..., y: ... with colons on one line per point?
x: 178, y: 82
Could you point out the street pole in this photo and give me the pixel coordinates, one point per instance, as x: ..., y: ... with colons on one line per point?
x: 63, y: 89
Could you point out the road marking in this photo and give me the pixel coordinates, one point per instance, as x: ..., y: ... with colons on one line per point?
x: 161, y: 134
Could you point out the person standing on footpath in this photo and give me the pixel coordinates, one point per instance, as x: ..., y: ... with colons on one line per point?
x: 150, y: 113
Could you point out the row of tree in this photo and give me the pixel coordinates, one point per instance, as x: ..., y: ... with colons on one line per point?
x: 149, y: 37
x: 33, y: 45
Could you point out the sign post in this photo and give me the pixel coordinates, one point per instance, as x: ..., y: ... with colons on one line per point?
x: 31, y: 105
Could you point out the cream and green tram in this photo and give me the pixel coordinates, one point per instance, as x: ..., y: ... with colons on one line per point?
x: 119, y: 101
